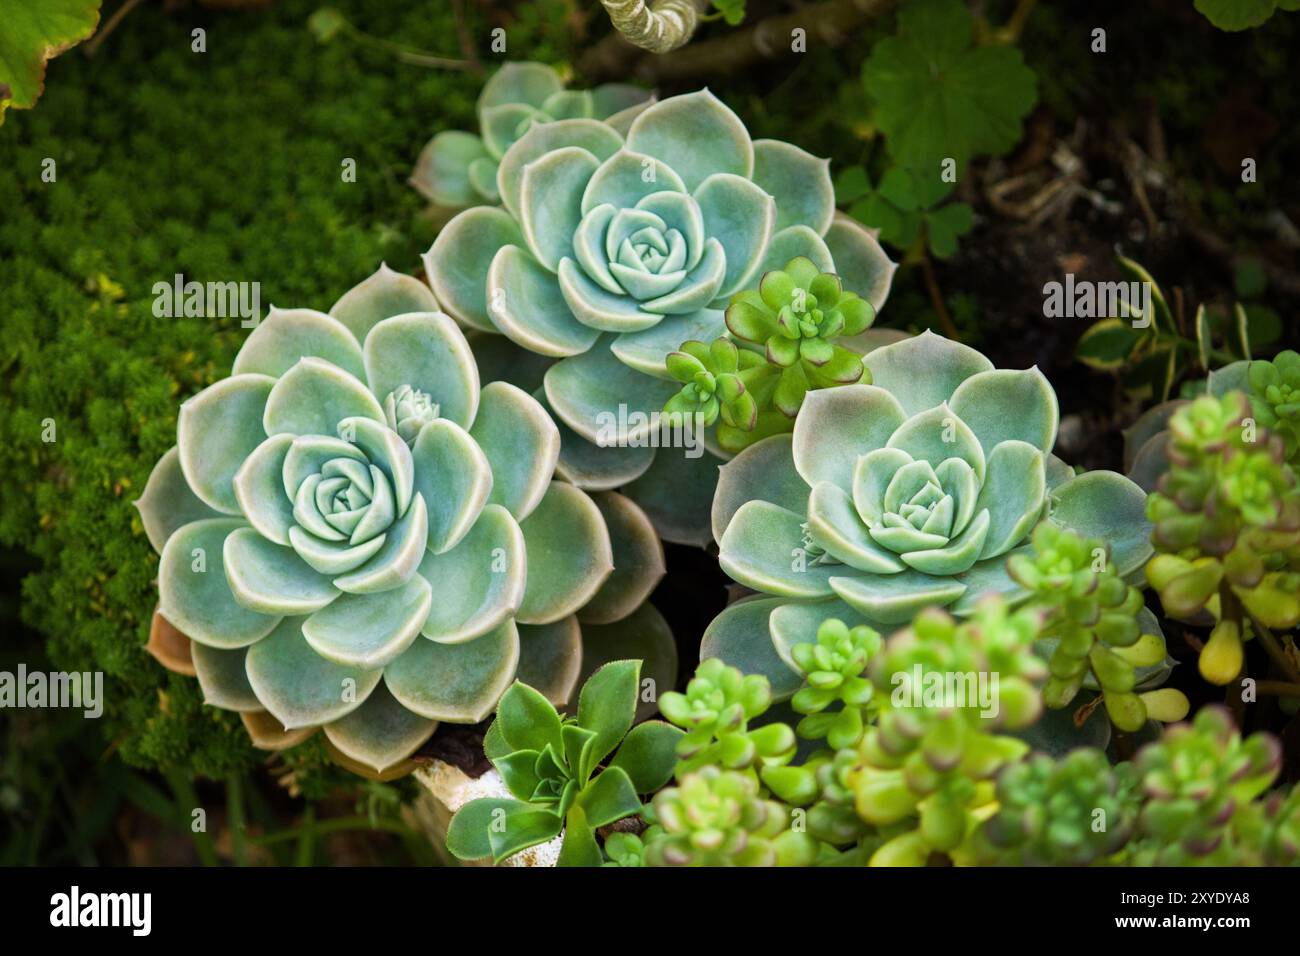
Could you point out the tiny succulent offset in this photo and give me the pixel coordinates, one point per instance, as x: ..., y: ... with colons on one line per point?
x: 552, y: 766
x: 354, y: 534
x: 909, y: 492
x: 613, y: 246
x: 457, y: 168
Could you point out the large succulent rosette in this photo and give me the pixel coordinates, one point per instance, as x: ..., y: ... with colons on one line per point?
x: 909, y: 492
x: 355, y: 535
x: 610, y: 250
x: 457, y: 168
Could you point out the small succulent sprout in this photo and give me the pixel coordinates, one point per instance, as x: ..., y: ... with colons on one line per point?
x: 914, y: 489
x: 713, y: 383
x: 796, y: 315
x: 1279, y: 838
x: 345, y: 523
x: 1275, y: 398
x: 715, y: 712
x: 552, y: 766
x: 625, y: 849
x: 1077, y: 811
x: 717, y: 817
x: 834, y: 671
x: 1093, y: 627
x: 458, y: 169
x: 616, y: 243
x: 1196, y: 779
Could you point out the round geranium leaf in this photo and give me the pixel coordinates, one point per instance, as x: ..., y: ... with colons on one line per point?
x: 194, y: 594
x: 370, y: 630
x: 480, y: 582
x: 427, y: 352
x: 216, y: 430
x: 381, y: 733
x: 458, y: 683
x: 569, y: 554
x: 167, y: 502
x: 638, y: 561
x: 286, y: 335
x: 313, y: 397
x: 382, y: 295
x: 521, y: 443
x: 300, y: 687
x: 223, y: 679
x: 696, y: 134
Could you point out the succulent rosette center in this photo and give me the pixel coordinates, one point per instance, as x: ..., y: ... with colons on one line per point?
x: 407, y: 409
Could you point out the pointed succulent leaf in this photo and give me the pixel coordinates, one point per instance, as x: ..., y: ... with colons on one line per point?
x: 216, y: 430
x: 286, y: 335
x: 521, y: 444
x: 569, y: 554
x: 381, y: 733
x: 480, y: 581
x: 300, y: 687
x: 380, y: 296
x: 223, y: 678
x: 167, y: 502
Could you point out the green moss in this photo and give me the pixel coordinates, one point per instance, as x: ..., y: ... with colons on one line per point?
x: 222, y: 165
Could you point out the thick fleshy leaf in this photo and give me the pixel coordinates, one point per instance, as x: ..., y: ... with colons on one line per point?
x: 313, y: 397
x: 988, y: 577
x: 550, y: 202
x: 267, y: 733
x: 958, y: 555
x: 598, y: 308
x: 793, y: 242
x: 455, y: 479
x: 1058, y: 472
x: 764, y: 548
x: 838, y: 425
x: 468, y: 833
x: 528, y: 306
x: 699, y: 288
x: 194, y: 594
x: 479, y: 582
x: 441, y: 173
x: 369, y: 630
x: 524, y: 82
x: 936, y: 436
x: 593, y: 468
x: 1149, y: 424
x: 1232, y: 377
x: 764, y: 471
x: 380, y: 296
x: 287, y: 335
x: 1015, y: 488
x: 696, y: 134
x: 643, y: 636
x: 606, y: 709
x: 796, y: 622
x: 896, y: 599
x: 396, y: 562
x: 676, y: 493
x: 381, y: 732
x: 860, y: 262
x: 458, y: 683
x: 569, y: 554
x: 223, y: 679
x: 521, y: 444
x: 800, y: 183
x: 170, y: 647
x: 550, y: 658
x: 836, y: 527
x: 923, y: 371
x: 500, y: 360
x: 426, y: 351
x: 873, y: 478
x: 457, y: 262
x: 272, y: 579
x: 216, y: 430
x: 742, y: 217
x: 1007, y: 404
x: 638, y: 561
x: 501, y: 125
x: 259, y: 489
x: 1106, y: 505
x: 626, y: 178
x: 385, y: 450
x: 300, y: 687
x: 645, y: 351
x: 740, y: 637
x: 593, y: 136
x: 167, y: 502
x: 648, y: 754
x: 596, y: 395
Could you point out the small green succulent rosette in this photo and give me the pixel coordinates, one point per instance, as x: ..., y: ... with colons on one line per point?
x: 611, y: 248
x: 355, y: 535
x: 457, y: 168
x: 906, y: 493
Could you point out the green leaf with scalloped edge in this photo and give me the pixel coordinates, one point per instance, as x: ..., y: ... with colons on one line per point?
x: 36, y: 31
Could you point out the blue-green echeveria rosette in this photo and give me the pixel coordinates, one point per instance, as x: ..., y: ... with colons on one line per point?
x: 458, y: 169
x: 355, y: 535
x: 902, y: 494
x: 610, y: 250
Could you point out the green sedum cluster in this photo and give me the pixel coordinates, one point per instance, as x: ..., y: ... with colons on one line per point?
x: 834, y: 670
x: 1275, y: 398
x: 1098, y: 629
x: 1226, y: 521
